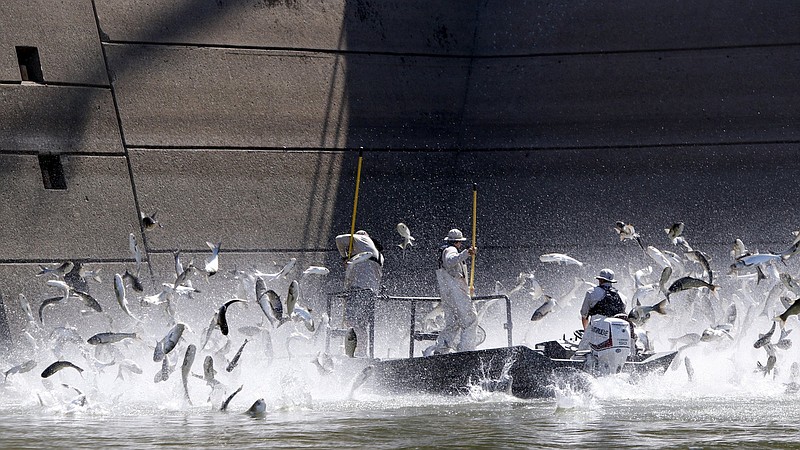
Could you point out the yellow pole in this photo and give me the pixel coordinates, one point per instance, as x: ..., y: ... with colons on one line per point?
x: 355, y: 206
x: 474, y: 235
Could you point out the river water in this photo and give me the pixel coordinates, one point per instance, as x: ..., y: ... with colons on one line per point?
x: 723, y: 406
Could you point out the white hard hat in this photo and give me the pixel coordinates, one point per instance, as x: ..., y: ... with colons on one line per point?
x: 606, y: 275
x: 455, y: 235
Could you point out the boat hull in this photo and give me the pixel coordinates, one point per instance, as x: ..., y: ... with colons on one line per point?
x: 518, y: 370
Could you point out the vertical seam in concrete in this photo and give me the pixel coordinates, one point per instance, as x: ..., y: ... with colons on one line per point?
x: 124, y: 142
x: 468, y: 81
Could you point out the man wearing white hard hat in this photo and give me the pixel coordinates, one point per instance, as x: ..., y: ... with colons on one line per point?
x: 460, y: 331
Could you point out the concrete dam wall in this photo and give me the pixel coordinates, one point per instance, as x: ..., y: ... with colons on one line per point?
x: 240, y: 121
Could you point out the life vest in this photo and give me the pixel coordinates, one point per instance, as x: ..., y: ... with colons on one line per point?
x: 610, y: 305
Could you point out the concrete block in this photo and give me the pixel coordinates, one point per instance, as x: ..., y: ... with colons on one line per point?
x: 65, y: 34
x: 176, y: 96
x: 388, y: 26
x: 91, y: 219
x: 58, y: 119
x: 705, y: 96
x: 535, y: 27
x: 246, y: 200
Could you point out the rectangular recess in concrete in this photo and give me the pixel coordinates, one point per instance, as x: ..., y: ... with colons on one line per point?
x: 30, y: 67
x: 52, y: 172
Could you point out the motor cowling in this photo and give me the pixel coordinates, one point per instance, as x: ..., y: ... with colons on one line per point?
x: 610, y: 343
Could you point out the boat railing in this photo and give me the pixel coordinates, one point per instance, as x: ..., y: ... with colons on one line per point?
x: 414, y: 335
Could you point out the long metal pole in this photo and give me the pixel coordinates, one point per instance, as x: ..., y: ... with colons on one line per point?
x: 474, y: 235
x: 355, y: 206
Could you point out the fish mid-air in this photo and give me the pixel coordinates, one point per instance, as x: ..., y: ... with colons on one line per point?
x: 360, y: 258
x: 316, y: 270
x: 674, y: 231
x: 626, y: 231
x: 350, y: 343
x: 545, y: 309
x: 405, y: 233
x: 212, y: 263
x: 61, y: 270
x: 150, y: 222
x: 559, y: 258
x: 790, y: 311
x: 58, y: 365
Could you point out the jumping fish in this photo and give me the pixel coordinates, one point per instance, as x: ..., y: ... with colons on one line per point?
x: 361, y: 378
x: 230, y: 397
x: 685, y: 283
x: 405, y: 233
x: 168, y: 343
x: 61, y: 270
x: 784, y: 343
x: 258, y: 409
x: 689, y: 368
x: 26, y: 366
x: 657, y: 256
x: 640, y: 314
x: 763, y: 339
x: 58, y: 365
x: 792, y: 310
x: 212, y: 263
x: 674, y: 231
x: 546, y: 308
x: 150, y: 222
x: 559, y: 258
x: 664, y: 279
x: 281, y: 273
x: 222, y: 320
x: 26, y: 308
x: 270, y: 303
x: 702, y: 259
x: 109, y: 338
x: 316, y: 270
x: 235, y: 361
x: 44, y: 304
x: 293, y: 296
x: 360, y: 258
x: 686, y: 339
x: 350, y: 343
x: 188, y: 360
x: 135, y: 252
x: 136, y: 284
x: 626, y: 231
x: 119, y: 291
x: 305, y: 316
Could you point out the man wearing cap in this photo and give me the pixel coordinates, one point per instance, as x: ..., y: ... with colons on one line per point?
x: 363, y: 280
x: 460, y: 331
x: 601, y: 301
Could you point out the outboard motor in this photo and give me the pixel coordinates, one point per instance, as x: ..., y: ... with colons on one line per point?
x: 610, y: 341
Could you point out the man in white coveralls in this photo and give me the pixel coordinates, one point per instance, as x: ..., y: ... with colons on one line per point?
x: 460, y: 331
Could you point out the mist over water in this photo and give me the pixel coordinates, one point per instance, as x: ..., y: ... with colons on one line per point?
x: 726, y: 401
